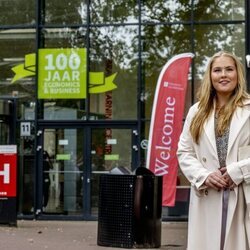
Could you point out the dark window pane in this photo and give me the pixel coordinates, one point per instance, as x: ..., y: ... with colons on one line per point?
x: 109, y: 11
x: 166, y: 11
x: 65, y: 12
x: 114, y: 50
x: 219, y: 10
x: 17, y: 12
x: 159, y: 45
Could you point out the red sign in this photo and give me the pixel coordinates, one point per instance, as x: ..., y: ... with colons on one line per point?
x: 166, y: 123
x: 8, y: 161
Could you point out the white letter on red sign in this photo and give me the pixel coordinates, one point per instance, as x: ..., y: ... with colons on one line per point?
x: 6, y: 173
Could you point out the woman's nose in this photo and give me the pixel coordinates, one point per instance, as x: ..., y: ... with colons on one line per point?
x: 223, y: 72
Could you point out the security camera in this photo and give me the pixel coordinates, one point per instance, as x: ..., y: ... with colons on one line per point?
x: 248, y: 60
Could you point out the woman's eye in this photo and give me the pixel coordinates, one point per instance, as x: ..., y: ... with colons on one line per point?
x: 217, y: 70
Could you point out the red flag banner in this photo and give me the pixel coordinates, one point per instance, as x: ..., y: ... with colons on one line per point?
x: 166, y: 123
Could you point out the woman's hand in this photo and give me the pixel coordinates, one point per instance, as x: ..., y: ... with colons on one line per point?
x: 227, y: 178
x: 217, y: 180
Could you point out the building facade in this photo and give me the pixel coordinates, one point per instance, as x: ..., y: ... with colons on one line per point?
x: 68, y: 134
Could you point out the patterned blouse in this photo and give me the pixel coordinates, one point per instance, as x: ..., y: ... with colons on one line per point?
x: 221, y: 144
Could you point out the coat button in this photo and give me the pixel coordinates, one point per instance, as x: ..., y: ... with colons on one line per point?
x: 206, y: 192
x: 204, y: 159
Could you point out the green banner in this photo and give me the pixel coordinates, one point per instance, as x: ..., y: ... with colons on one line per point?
x: 26, y: 69
x: 99, y: 84
x: 62, y: 73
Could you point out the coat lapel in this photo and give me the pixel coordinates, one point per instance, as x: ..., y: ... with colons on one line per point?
x: 238, y: 120
x: 209, y: 131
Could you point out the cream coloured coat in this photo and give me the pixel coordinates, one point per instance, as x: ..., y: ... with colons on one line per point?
x: 205, y: 210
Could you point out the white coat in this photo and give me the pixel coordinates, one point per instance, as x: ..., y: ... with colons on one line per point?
x: 205, y: 209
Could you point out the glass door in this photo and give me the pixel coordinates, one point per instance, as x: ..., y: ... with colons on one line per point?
x: 112, y: 150
x: 62, y: 172
x: 71, y: 162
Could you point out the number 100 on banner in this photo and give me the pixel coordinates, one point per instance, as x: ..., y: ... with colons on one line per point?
x: 62, y: 73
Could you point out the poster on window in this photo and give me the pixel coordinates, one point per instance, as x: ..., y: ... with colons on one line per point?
x: 166, y: 123
x: 62, y: 73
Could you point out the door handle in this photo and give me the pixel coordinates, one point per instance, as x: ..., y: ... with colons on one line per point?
x: 39, y: 132
x: 135, y: 132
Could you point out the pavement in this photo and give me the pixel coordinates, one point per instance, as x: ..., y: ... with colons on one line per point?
x: 76, y: 235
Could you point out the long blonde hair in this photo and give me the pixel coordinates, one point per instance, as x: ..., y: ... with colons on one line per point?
x: 207, y: 94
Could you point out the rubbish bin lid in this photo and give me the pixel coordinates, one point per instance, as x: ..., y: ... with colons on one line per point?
x: 120, y: 170
x: 143, y: 171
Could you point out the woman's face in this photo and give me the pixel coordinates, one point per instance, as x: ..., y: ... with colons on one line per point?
x: 224, y: 75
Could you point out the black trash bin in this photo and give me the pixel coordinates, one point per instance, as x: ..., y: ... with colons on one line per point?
x: 130, y: 208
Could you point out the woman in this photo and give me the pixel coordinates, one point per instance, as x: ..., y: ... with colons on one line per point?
x: 216, y: 128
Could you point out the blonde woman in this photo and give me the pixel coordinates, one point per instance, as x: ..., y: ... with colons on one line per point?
x: 216, y: 129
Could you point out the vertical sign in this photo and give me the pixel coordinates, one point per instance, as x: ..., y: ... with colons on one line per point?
x: 8, y: 160
x: 166, y: 123
x: 62, y: 73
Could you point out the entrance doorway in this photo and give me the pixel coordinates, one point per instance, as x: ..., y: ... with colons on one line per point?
x: 62, y: 171
x: 59, y: 165
x: 111, y: 149
x: 71, y: 162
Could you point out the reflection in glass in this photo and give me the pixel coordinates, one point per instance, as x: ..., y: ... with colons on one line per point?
x: 4, y: 130
x: 220, y: 37
x: 66, y: 12
x: 64, y: 37
x: 179, y: 11
x: 166, y: 11
x: 26, y: 110
x: 15, y: 44
x: 114, y: 50
x: 26, y: 173
x: 17, y: 12
x: 219, y: 10
x: 108, y: 11
x: 63, y: 109
x: 159, y: 45
x: 63, y: 176
x: 110, y: 148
